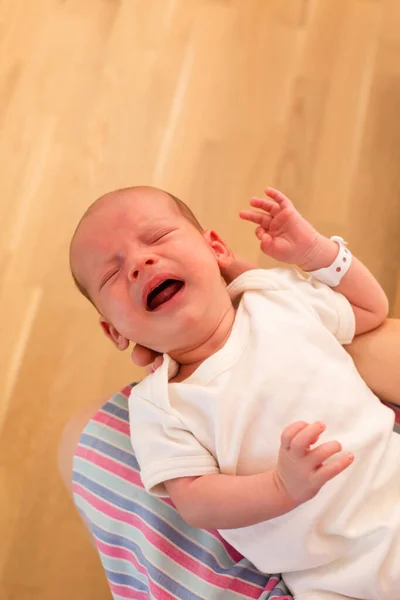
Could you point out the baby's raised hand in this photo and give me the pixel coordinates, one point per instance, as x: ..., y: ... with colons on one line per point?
x: 284, y: 234
x: 301, y: 470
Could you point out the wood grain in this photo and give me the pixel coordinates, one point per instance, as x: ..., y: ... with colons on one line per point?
x: 211, y: 100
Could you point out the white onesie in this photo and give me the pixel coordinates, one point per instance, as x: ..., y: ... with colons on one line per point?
x: 284, y: 362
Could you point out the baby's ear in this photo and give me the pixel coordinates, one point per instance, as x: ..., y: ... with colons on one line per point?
x: 113, y: 334
x: 223, y: 254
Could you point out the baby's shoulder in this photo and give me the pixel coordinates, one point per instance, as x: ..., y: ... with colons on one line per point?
x: 277, y: 279
x: 154, y: 387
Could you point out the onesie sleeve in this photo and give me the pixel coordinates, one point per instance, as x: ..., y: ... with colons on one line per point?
x: 334, y: 310
x: 165, y: 449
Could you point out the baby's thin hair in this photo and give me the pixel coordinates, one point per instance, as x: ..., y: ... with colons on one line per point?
x: 184, y: 210
x: 82, y: 289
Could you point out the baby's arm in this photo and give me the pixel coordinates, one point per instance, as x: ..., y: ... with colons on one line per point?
x: 287, y: 236
x: 359, y: 286
x: 221, y: 501
x: 228, y: 501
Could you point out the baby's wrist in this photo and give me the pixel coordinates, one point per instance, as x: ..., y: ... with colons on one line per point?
x: 321, y: 255
x: 286, y: 501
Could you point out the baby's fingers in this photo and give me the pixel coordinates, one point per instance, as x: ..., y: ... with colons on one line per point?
x: 278, y: 197
x: 321, y: 453
x: 263, y: 219
x: 268, y: 206
x: 260, y: 231
x: 332, y: 468
x: 305, y: 438
x: 290, y: 432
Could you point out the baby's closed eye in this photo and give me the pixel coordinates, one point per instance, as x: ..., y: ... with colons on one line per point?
x: 108, y: 276
x: 160, y: 235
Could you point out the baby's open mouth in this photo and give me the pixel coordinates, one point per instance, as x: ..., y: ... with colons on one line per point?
x: 163, y: 292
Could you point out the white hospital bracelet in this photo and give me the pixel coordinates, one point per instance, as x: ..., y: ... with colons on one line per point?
x: 333, y: 274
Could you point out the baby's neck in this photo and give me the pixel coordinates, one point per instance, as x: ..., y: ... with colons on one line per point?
x: 190, y: 359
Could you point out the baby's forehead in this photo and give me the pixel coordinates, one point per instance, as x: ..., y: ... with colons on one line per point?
x: 126, y: 221
x: 141, y: 208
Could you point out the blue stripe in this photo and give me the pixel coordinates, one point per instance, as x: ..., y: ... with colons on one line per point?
x: 278, y: 591
x: 128, y: 580
x: 182, y: 542
x: 116, y: 411
x: 127, y: 458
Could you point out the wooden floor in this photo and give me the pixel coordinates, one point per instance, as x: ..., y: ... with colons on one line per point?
x: 211, y: 100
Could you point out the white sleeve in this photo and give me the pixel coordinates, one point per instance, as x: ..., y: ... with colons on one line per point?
x: 164, y: 447
x: 334, y: 310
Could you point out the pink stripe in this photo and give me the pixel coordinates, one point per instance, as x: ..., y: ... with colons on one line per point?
x: 125, y: 592
x: 108, y: 464
x: 126, y: 391
x: 112, y: 422
x: 232, y: 552
x: 167, y: 548
x: 272, y: 582
x: 124, y: 554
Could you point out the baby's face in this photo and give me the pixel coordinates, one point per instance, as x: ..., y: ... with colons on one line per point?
x: 152, y: 275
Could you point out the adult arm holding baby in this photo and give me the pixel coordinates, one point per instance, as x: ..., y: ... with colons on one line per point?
x: 224, y: 501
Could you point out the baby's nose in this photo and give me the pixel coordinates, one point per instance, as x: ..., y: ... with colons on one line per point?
x: 139, y: 266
